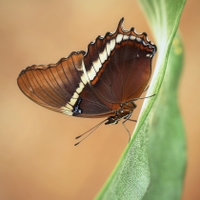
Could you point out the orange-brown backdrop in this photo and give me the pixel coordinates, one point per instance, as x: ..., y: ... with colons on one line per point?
x: 37, y: 156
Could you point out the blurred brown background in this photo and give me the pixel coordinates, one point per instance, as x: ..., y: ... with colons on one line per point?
x: 37, y: 156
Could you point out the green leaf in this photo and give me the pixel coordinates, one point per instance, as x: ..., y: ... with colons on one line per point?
x: 152, y: 166
x: 167, y: 149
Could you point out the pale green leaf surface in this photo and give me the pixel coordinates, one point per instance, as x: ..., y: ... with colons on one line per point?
x: 136, y: 173
x: 167, y: 147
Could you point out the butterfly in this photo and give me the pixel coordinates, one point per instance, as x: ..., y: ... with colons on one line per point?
x: 103, y: 82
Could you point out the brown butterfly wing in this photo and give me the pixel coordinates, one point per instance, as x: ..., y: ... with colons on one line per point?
x: 57, y: 87
x: 116, y: 69
x: 53, y: 85
x: 119, y: 65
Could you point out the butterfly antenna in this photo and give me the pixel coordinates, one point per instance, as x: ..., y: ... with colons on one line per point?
x: 89, y: 132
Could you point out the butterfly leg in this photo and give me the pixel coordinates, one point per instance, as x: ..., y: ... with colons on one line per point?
x: 127, y: 117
